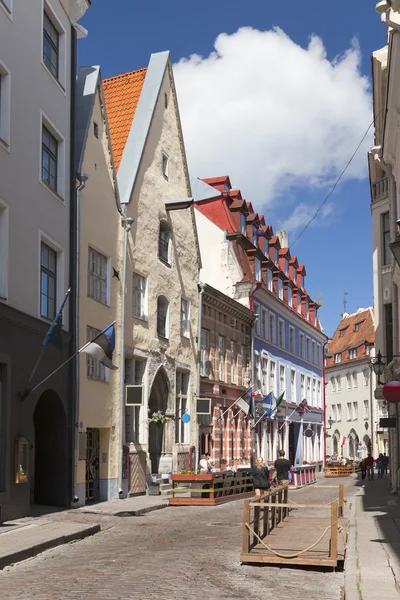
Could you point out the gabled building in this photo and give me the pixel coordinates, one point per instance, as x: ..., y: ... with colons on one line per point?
x: 162, y: 263
x: 352, y: 412
x: 257, y: 270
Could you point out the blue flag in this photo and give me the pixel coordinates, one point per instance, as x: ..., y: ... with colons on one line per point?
x: 102, y: 347
x: 53, y: 336
x: 246, y: 402
x: 268, y: 403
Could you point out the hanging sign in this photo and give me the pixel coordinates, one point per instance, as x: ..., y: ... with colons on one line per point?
x: 185, y: 418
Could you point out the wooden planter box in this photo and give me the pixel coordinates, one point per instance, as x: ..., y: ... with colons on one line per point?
x: 200, y: 477
x: 210, y: 488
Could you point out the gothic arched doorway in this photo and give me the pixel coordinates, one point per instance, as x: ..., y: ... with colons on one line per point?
x: 158, y: 401
x: 335, y: 439
x: 51, y: 451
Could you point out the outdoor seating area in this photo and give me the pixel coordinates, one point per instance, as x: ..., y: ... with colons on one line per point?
x: 210, y: 488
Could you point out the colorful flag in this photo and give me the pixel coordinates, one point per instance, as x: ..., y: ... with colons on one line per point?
x: 343, y: 440
x: 102, y: 347
x: 246, y: 402
x: 303, y: 407
x: 53, y: 336
x: 277, y: 403
x: 267, y: 403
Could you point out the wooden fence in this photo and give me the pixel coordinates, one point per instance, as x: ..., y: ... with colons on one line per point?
x: 210, y: 488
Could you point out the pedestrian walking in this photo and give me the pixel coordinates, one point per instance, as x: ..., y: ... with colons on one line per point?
x: 282, y: 467
x: 385, y: 463
x: 369, y: 461
x: 363, y: 468
x: 380, y: 464
x: 260, y: 477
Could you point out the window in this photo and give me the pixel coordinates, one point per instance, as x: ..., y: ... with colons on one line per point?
x: 333, y: 385
x: 265, y: 376
x: 302, y: 282
x: 309, y: 389
x: 319, y: 399
x: 49, y: 158
x: 286, y: 267
x: 272, y: 367
x: 292, y: 385
x: 257, y: 269
x: 276, y: 256
x: 48, y: 281
x: 356, y: 327
x: 339, y: 412
x: 355, y: 380
x: 299, y: 303
x: 221, y: 358
x: 162, y: 317
x: 386, y: 253
x: 302, y: 387
x: 319, y: 357
x: 5, y: 104
x: 264, y: 326
x: 307, y: 306
x: 94, y: 368
x: 338, y: 384
x: 366, y: 377
x: 134, y: 371
x: 51, y: 46
x: 294, y: 273
x: 353, y: 353
x: 308, y: 351
x: 314, y: 400
x: 165, y: 166
x: 349, y: 411
x: 204, y: 353
x: 97, y: 276
x: 257, y: 324
x: 280, y: 288
x: 281, y: 379
x: 244, y: 364
x: 313, y: 357
x: 184, y: 317
x: 242, y: 224
x: 301, y: 345
x: 272, y: 331
x: 182, y: 386
x: 95, y: 130
x: 281, y: 333
x: 164, y: 238
x: 139, y: 296
x: 388, y: 324
x: 338, y: 358
x: 315, y: 317
x: 291, y: 339
x: 355, y: 411
x: 366, y: 409
x: 348, y: 378
x: 367, y: 349
x: 4, y: 245
x: 290, y: 296
x: 233, y: 362
x: 257, y: 369
x: 255, y: 239
x: 270, y: 282
x: 334, y: 413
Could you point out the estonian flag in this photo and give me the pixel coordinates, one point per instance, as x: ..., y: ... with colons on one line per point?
x: 246, y: 403
x: 102, y: 347
x: 53, y: 336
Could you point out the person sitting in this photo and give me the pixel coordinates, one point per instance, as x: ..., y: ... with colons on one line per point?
x: 206, y: 463
x: 260, y: 477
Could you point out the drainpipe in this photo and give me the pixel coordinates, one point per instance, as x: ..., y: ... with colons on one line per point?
x: 127, y: 223
x: 200, y: 323
x: 325, y: 432
x: 82, y: 178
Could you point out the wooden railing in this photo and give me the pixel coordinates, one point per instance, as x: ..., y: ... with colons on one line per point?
x: 339, y: 471
x: 210, y: 488
x: 262, y: 515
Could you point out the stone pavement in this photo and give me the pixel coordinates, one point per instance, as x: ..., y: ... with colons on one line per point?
x: 190, y: 553
x: 137, y: 505
x: 373, y: 554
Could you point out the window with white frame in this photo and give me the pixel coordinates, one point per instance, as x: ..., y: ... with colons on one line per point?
x: 257, y: 269
x: 355, y: 411
x: 134, y: 373
x: 366, y: 409
x: 97, y: 276
x: 272, y: 367
x: 353, y: 353
x: 309, y: 389
x: 349, y: 411
x: 48, y: 281
x: 290, y: 296
x: 354, y: 380
x: 367, y: 349
x: 257, y: 370
x: 4, y: 239
x: 334, y: 413
x: 294, y: 273
x: 314, y: 401
x: 282, y: 385
x: 286, y: 267
x: 264, y: 324
x: 182, y: 387
x: 94, y: 368
x: 291, y: 339
x: 338, y: 383
x: 184, y: 317
x: 270, y: 282
x: 242, y: 224
x: 313, y: 353
x: 165, y: 165
x: 280, y: 288
x: 49, y: 158
x: 339, y: 412
x: 319, y: 361
x: 281, y: 333
x: 302, y: 387
x: 292, y: 385
x: 162, y: 317
x: 243, y: 354
x: 319, y: 399
x: 257, y: 324
x: 338, y: 358
x: 255, y: 239
x: 307, y: 307
x: 308, y: 351
x: 272, y: 328
x: 5, y: 104
x: 139, y: 296
x: 221, y: 358
x: 302, y: 282
x: 298, y: 303
x: 233, y: 362
x: 204, y: 353
x: 348, y: 379
x: 164, y: 242
x: 276, y: 256
x: 333, y: 385
x: 51, y: 45
x: 366, y: 377
x: 265, y: 376
x: 301, y: 345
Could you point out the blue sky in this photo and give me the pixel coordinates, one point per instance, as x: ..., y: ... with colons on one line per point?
x: 337, y: 250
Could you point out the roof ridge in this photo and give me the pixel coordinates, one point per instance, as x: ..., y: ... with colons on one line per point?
x: 122, y: 75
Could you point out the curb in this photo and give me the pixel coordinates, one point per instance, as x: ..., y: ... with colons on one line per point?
x: 351, y: 574
x: 20, y: 555
x: 141, y: 511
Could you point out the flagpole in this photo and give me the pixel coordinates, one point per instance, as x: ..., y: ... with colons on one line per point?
x: 236, y: 401
x: 287, y: 419
x: 36, y: 365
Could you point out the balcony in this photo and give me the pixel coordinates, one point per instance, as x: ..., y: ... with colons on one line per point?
x: 380, y: 190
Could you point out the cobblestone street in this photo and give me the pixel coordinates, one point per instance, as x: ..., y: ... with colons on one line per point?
x: 188, y: 553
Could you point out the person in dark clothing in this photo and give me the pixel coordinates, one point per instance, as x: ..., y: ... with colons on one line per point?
x: 283, y: 467
x: 363, y: 468
x: 260, y: 477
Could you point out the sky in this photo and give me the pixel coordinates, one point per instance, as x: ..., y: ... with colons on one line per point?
x: 277, y: 96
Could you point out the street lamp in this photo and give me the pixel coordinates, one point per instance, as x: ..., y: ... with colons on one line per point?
x: 378, y: 365
x: 330, y: 423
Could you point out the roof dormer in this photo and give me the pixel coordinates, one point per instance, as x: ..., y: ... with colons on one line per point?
x: 284, y: 258
x: 293, y: 266
x: 301, y: 275
x: 274, y: 247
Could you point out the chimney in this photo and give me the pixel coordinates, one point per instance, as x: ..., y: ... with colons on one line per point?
x: 283, y: 238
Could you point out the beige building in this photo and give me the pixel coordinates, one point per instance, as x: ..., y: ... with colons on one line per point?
x: 162, y: 264
x: 98, y: 293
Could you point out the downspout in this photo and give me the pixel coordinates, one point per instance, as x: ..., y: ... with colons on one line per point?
x: 253, y: 458
x: 82, y: 178
x: 200, y: 324
x: 325, y: 432
x: 371, y: 402
x: 127, y: 222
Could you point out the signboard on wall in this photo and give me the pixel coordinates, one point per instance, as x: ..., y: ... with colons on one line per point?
x: 387, y: 422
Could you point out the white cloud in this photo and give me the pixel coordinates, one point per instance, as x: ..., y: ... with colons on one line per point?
x: 272, y: 114
x: 302, y: 215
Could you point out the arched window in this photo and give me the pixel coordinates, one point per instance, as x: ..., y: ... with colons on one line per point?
x: 164, y: 240
x: 162, y: 317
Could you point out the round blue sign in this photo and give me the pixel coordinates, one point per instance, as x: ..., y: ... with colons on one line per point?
x: 185, y: 418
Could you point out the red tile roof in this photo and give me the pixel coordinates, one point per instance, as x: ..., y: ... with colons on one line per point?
x: 349, y: 339
x: 122, y: 95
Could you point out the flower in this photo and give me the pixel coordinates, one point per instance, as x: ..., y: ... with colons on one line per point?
x: 159, y: 417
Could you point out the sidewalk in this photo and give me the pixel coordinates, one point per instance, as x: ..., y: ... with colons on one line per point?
x: 48, y: 527
x: 372, y: 568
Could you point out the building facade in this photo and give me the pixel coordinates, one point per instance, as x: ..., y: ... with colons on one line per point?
x: 162, y: 266
x: 351, y: 407
x: 287, y: 341
x: 36, y: 207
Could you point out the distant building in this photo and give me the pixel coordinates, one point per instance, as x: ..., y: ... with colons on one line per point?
x: 351, y: 408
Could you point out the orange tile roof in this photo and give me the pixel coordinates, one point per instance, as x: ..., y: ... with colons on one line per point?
x: 122, y: 95
x: 341, y: 343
